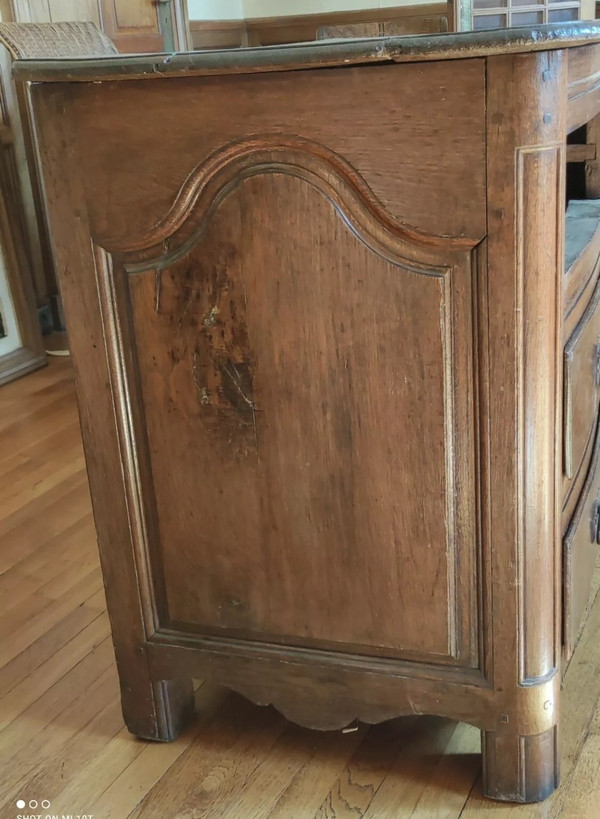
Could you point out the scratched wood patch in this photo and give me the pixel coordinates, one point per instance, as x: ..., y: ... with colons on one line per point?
x: 201, y: 365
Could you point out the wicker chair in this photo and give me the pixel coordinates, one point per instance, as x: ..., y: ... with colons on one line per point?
x: 32, y: 40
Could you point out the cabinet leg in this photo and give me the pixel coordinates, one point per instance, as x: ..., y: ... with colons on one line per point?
x: 520, y: 768
x: 157, y: 710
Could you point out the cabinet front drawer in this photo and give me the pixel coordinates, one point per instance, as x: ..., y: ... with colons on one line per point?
x: 581, y: 385
x: 580, y: 549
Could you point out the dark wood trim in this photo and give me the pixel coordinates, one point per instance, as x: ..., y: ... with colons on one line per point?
x: 324, y: 54
x: 218, y: 34
x: 580, y: 153
x: 299, y: 28
x: 303, y: 27
x: 342, y: 17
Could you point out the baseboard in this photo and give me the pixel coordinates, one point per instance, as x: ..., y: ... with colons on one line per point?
x: 20, y: 362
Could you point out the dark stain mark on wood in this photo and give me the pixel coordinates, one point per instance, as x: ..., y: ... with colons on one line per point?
x: 204, y: 302
x: 237, y: 385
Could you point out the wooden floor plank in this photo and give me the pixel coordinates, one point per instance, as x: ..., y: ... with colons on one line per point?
x: 35, y: 423
x: 224, y: 756
x: 101, y: 778
x: 96, y: 773
x: 49, y: 568
x: 580, y: 794
x: 25, y: 388
x: 257, y: 795
x: 412, y: 769
x: 26, y: 692
x: 125, y: 793
x: 362, y: 776
x: 451, y: 782
x: 43, y: 518
x: 19, y: 408
x: 314, y: 780
x: 62, y: 437
x: 50, y: 777
x: 32, y: 486
x: 27, y: 630
x: 28, y: 661
x: 54, y: 719
x: 39, y: 565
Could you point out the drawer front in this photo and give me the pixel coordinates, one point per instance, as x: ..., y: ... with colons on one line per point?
x: 580, y: 549
x: 581, y: 385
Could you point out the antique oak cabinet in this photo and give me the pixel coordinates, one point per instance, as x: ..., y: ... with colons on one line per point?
x: 336, y: 335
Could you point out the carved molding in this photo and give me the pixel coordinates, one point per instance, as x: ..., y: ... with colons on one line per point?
x: 536, y: 708
x: 132, y: 445
x: 224, y: 170
x: 538, y: 168
x: 324, y: 690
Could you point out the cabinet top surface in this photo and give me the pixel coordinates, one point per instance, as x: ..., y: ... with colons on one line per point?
x: 322, y: 54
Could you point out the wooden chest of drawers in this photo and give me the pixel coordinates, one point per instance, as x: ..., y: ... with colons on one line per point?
x: 338, y: 393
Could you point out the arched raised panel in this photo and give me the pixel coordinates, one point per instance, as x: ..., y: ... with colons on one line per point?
x: 310, y: 374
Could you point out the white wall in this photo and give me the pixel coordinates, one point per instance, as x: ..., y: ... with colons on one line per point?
x: 277, y: 8
x: 588, y: 9
x: 215, y: 9
x: 246, y: 9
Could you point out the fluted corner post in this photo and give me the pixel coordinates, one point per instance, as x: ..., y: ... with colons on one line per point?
x: 526, y: 100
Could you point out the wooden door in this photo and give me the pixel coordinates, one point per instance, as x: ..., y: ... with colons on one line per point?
x: 145, y: 25
x: 133, y: 25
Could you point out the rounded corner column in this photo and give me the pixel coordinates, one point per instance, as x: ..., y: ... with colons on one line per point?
x: 519, y: 768
x: 526, y: 132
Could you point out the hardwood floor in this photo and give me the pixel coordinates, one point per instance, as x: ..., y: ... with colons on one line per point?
x: 61, y: 733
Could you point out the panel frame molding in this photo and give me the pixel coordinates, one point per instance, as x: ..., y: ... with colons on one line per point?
x: 409, y: 249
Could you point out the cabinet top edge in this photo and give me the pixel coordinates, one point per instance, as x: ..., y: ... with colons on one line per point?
x: 321, y: 54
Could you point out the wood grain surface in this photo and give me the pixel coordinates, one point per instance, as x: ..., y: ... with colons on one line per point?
x: 366, y: 51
